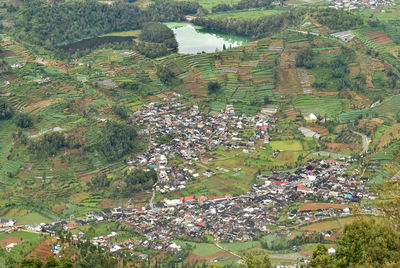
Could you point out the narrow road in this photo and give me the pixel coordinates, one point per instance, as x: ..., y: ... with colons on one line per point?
x: 365, y: 140
x: 151, y: 204
x: 227, y: 250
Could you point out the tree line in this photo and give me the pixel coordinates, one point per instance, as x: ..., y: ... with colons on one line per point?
x: 258, y: 28
x: 243, y: 4
x: 66, y: 22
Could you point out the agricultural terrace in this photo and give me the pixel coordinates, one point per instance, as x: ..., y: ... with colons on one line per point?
x: 245, y: 75
x: 246, y: 14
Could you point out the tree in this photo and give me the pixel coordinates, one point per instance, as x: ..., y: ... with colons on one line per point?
x: 121, y: 111
x: 23, y: 120
x: 321, y: 258
x: 304, y: 58
x: 117, y: 140
x: 48, y: 144
x: 65, y: 263
x: 266, y: 100
x: 165, y: 74
x: 213, y: 87
x: 31, y: 263
x: 6, y: 110
x: 368, y: 243
x: 249, y: 261
x: 51, y: 263
x: 364, y: 243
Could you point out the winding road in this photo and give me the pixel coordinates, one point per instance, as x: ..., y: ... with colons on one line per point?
x: 365, y: 140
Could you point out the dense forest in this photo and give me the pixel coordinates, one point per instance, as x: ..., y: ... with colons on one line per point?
x: 243, y: 4
x: 157, y: 32
x: 67, y: 22
x: 337, y: 20
x: 93, y: 43
x: 259, y: 28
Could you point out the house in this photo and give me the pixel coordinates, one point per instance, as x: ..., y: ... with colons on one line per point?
x: 304, y: 189
x: 173, y: 202
x: 69, y: 227
x: 186, y: 199
x: 7, y: 222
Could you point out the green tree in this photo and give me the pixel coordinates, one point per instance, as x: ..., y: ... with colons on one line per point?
x: 249, y: 261
x: 6, y: 110
x: 368, y: 243
x: 213, y: 87
x: 65, y: 263
x: 31, y: 263
x: 51, y: 262
x: 24, y: 120
x: 304, y: 58
x: 321, y: 258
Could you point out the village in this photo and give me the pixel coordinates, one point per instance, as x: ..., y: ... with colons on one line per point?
x: 244, y: 217
x: 266, y: 208
x: 356, y: 4
x: 177, y: 131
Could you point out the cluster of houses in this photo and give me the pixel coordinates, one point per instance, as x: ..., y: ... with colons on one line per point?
x: 244, y: 217
x: 177, y: 131
x: 355, y: 4
x: 233, y: 217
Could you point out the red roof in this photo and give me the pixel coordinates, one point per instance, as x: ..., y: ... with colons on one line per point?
x: 264, y: 127
x: 70, y: 226
x: 303, y: 188
x: 222, y: 197
x: 201, y: 223
x: 186, y: 198
x: 203, y: 198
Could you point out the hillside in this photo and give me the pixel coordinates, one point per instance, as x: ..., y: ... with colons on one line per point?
x: 108, y: 114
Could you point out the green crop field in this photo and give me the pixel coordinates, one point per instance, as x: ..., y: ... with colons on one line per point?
x: 209, y: 4
x: 289, y: 145
x: 253, y: 14
x: 30, y: 218
x: 240, y: 247
x: 200, y: 249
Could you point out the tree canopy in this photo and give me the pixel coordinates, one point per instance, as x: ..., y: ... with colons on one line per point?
x: 364, y: 243
x: 6, y: 110
x: 66, y: 22
x: 117, y: 140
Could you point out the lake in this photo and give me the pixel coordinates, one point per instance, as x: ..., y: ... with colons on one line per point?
x: 192, y: 39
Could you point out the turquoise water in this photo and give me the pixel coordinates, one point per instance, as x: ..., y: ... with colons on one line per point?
x: 192, y: 40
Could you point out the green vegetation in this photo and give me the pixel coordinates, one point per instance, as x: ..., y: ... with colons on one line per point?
x: 364, y: 242
x: 85, y: 66
x: 246, y: 14
x: 51, y: 20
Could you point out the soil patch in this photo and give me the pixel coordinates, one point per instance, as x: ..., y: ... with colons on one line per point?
x: 42, y: 251
x: 107, y: 203
x: 379, y: 37
x: 58, y: 208
x: 10, y: 239
x: 335, y: 50
x: 316, y: 206
x: 288, y: 82
x: 343, y: 146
